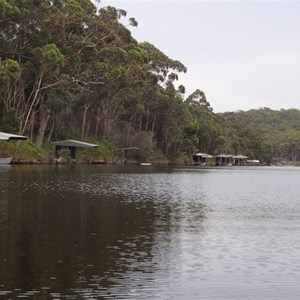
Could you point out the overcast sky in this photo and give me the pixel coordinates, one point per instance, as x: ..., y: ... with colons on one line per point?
x: 242, y: 54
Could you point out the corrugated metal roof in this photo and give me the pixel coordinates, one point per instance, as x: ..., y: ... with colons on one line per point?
x: 240, y: 156
x: 224, y: 155
x: 74, y: 143
x: 203, y: 155
x: 9, y: 136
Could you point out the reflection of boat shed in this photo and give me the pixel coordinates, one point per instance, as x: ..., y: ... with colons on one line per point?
x: 200, y: 158
x: 240, y: 160
x: 222, y: 159
x: 71, y: 145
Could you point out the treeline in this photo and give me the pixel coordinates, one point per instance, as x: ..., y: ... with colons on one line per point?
x: 70, y: 71
x: 269, y: 135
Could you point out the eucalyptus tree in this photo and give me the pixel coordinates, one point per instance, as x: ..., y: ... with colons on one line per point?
x: 160, y: 64
x: 206, y: 131
x: 118, y: 57
x: 54, y: 43
x: 290, y: 140
x: 266, y: 134
x: 198, y: 98
x: 169, y: 118
x: 30, y: 40
x: 11, y: 90
x: 9, y: 76
x: 164, y: 97
x: 65, y: 64
x: 70, y: 27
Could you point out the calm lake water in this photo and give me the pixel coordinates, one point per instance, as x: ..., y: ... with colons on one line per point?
x: 124, y: 232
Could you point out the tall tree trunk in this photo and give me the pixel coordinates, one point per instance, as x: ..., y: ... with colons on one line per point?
x: 128, y: 140
x: 153, y: 122
x: 106, y: 127
x: 51, y: 129
x: 147, y: 123
x: 88, y: 125
x: 97, y: 123
x: 84, y: 117
x: 140, y: 123
x: 105, y: 124
x: 34, y: 102
x: 32, y: 121
x: 44, y: 119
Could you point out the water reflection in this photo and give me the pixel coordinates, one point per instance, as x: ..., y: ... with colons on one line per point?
x: 93, y: 232
x: 69, y: 231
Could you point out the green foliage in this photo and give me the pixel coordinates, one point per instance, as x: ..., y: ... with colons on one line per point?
x: 68, y: 71
x: 158, y: 157
x: 9, y: 68
x: 23, y: 151
x: 7, y: 8
x: 205, y: 131
x: 102, y: 152
x: 266, y: 134
x: 49, y: 54
x: 10, y: 121
x: 143, y: 140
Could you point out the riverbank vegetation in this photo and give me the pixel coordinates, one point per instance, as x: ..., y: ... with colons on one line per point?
x: 68, y: 70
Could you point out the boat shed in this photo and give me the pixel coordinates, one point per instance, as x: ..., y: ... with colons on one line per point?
x: 200, y: 158
x: 223, y: 159
x: 11, y: 137
x: 71, y: 145
x: 240, y: 160
x: 124, y: 152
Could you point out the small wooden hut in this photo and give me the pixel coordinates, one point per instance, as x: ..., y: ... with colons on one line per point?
x: 223, y: 159
x: 240, y: 160
x: 71, y: 145
x: 124, y: 152
x: 200, y: 158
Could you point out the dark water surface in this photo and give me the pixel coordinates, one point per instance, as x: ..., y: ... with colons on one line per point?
x: 101, y: 232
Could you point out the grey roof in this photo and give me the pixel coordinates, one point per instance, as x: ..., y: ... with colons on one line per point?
x: 240, y: 156
x: 232, y: 156
x: 203, y: 155
x: 224, y: 155
x: 73, y: 143
x: 9, y: 136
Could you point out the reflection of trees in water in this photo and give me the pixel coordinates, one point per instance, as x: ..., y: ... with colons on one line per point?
x: 64, y: 232
x: 65, y: 241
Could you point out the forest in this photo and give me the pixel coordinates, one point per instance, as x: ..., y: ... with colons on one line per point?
x: 69, y: 70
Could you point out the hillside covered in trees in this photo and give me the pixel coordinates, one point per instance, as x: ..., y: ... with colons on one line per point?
x: 269, y: 135
x: 70, y: 71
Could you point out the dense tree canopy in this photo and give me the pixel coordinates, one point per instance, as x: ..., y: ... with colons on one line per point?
x: 70, y: 71
x: 266, y: 134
